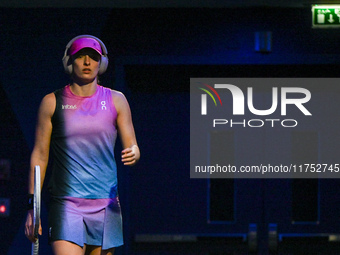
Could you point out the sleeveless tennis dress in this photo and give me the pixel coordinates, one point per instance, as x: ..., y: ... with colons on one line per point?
x: 84, y: 206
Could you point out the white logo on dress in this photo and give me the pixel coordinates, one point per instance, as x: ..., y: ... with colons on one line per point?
x: 68, y: 107
x: 103, y: 103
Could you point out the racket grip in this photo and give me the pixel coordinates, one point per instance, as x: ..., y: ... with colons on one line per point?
x: 35, y: 248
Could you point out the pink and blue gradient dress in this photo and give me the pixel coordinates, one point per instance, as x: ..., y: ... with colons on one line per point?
x: 83, y: 185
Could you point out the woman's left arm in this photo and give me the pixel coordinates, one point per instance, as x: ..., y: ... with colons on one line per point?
x: 130, y: 153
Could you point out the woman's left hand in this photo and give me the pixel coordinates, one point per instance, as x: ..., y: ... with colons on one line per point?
x: 130, y: 155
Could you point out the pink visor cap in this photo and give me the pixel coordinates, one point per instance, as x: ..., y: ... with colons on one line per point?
x: 85, y: 42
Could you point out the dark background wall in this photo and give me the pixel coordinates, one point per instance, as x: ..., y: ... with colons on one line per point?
x: 153, y: 53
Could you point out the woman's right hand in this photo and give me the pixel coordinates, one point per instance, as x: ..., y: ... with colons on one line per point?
x: 29, y: 227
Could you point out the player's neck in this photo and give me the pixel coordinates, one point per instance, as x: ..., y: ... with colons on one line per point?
x: 84, y: 90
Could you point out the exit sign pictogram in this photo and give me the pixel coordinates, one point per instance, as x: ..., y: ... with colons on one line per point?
x: 326, y: 16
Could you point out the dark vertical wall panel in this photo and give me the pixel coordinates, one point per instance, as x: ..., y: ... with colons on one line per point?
x: 221, y: 195
x: 305, y: 192
x: 13, y: 147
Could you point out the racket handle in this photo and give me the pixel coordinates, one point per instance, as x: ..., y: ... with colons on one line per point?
x: 35, y: 248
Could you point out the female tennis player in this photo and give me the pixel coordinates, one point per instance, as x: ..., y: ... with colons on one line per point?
x: 80, y: 123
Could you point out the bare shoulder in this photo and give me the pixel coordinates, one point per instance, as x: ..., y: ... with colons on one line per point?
x: 48, y: 104
x: 119, y: 99
x: 49, y: 98
x: 117, y: 95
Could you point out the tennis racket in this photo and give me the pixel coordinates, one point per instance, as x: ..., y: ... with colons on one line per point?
x: 36, y: 209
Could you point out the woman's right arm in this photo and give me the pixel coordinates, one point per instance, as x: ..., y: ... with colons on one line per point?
x: 40, y: 153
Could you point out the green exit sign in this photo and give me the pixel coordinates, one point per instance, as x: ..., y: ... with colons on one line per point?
x: 326, y: 16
